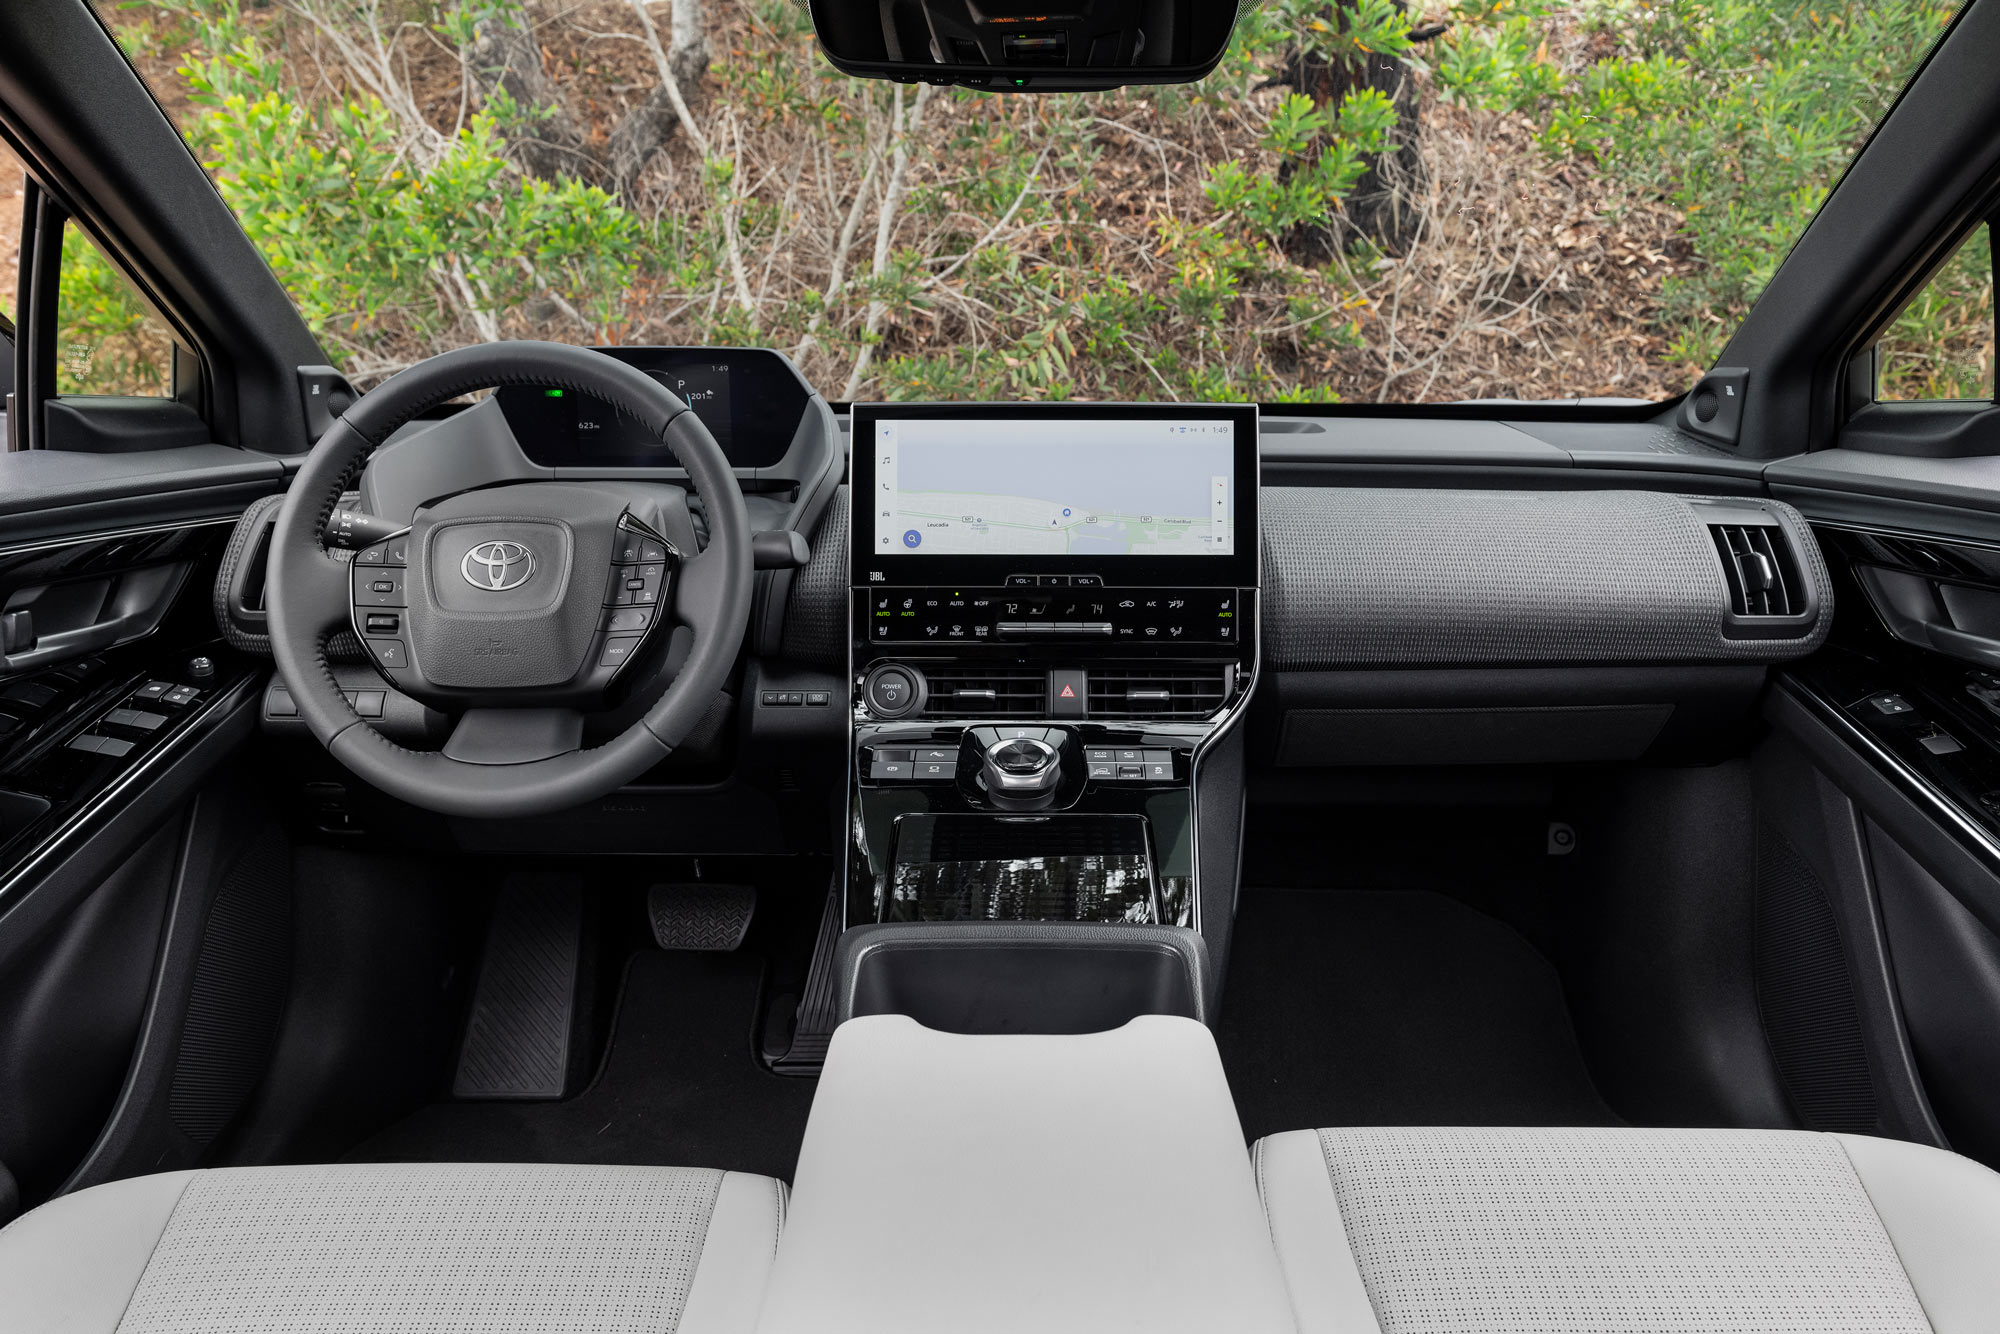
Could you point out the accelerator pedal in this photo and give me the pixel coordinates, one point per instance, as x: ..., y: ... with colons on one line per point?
x: 517, y: 1039
x: 700, y: 915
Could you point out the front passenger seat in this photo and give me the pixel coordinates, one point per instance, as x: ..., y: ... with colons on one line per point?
x: 1500, y: 1230
x: 468, y: 1248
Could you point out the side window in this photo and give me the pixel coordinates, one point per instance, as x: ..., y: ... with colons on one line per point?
x: 108, y: 340
x: 1941, y: 346
x: 13, y: 186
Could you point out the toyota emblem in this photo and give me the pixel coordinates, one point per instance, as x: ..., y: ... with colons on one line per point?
x: 498, y: 566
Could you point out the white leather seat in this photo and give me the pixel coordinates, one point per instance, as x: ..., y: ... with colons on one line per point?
x: 1499, y: 1230
x: 395, y: 1247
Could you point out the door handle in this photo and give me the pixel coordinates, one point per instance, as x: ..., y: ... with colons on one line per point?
x: 79, y: 620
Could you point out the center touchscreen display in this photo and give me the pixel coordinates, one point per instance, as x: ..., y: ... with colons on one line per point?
x: 1054, y: 487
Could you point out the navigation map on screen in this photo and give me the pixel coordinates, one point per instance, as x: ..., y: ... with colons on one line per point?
x: 1075, y: 488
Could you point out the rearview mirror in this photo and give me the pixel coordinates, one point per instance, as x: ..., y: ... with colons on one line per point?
x: 1025, y: 45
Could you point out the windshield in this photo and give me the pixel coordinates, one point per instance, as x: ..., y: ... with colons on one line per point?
x: 1364, y: 202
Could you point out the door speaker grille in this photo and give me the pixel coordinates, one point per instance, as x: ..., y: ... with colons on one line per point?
x: 1805, y: 993
x: 238, y: 992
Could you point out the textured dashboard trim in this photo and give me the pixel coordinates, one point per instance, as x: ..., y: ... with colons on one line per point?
x: 816, y: 613
x: 1363, y: 577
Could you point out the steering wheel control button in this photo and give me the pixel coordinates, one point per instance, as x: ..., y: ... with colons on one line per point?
x: 382, y: 623
x: 379, y: 588
x: 892, y: 691
x: 628, y: 620
x: 636, y: 585
x: 618, y: 649
x: 389, y: 653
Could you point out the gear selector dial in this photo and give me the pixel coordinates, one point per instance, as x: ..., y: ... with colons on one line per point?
x: 1021, y: 767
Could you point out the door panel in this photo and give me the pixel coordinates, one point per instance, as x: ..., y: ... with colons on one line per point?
x: 117, y: 704
x: 1900, y: 715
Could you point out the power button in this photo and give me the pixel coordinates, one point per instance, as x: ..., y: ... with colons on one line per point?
x: 893, y: 691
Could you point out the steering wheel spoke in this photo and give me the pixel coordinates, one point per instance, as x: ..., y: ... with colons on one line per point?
x: 701, y: 592
x: 514, y: 736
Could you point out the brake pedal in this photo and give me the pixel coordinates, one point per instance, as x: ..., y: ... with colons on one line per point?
x: 700, y: 915
x: 517, y: 1039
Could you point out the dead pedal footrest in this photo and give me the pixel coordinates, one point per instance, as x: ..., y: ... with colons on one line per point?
x: 517, y: 1037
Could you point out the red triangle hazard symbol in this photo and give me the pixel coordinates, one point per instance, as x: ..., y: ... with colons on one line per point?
x: 1067, y: 693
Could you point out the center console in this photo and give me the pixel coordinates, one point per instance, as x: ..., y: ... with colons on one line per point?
x: 1053, y: 621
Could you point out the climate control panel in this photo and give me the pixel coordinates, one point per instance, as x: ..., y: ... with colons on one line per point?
x: 1087, y: 614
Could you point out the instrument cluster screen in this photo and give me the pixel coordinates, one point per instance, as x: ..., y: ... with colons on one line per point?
x: 750, y: 399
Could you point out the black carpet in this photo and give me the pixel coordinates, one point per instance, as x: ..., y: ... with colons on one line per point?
x: 680, y: 1086
x: 1394, y: 1007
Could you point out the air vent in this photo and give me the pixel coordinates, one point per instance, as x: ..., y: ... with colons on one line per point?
x: 1158, y: 692
x: 995, y: 692
x: 1757, y: 565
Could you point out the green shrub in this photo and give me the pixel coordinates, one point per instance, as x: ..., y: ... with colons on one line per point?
x: 1740, y: 113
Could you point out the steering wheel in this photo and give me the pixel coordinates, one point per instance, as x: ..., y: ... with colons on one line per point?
x: 514, y: 605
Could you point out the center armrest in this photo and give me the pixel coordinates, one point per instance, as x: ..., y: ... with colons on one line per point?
x: 1024, y: 1183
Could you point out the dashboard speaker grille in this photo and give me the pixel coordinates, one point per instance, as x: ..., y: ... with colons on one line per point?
x: 1758, y: 566
x: 993, y: 692
x: 1158, y: 692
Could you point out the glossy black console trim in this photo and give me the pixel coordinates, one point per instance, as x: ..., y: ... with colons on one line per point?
x: 69, y: 862
x: 1966, y: 831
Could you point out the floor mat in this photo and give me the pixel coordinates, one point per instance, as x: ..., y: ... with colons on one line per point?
x: 1400, y: 1007
x: 680, y: 1087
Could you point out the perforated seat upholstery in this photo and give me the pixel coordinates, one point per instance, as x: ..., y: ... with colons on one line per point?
x: 465, y: 1248
x: 1501, y: 1230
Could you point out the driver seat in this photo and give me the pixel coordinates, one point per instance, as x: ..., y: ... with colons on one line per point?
x: 463, y: 1247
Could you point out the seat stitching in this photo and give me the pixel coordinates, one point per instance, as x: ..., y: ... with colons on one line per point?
x: 165, y: 1228
x: 1862, y: 1182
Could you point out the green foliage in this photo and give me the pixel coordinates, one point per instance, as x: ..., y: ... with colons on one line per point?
x: 107, y: 340
x: 379, y: 239
x: 1941, y: 345
x: 1741, y: 113
x: 1173, y: 242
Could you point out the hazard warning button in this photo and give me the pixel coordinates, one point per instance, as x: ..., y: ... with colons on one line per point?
x: 1068, y: 693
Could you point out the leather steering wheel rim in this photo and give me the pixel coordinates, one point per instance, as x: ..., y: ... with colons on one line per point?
x: 307, y: 600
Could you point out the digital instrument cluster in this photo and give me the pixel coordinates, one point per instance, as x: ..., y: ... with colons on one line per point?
x: 751, y: 400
